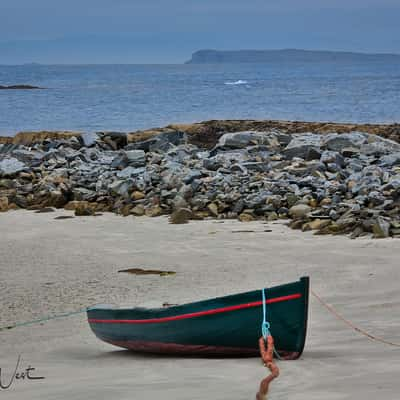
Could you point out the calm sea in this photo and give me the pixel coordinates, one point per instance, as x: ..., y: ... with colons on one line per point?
x: 131, y: 97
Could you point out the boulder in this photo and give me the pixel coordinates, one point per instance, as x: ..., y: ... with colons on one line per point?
x: 154, y: 211
x: 181, y: 216
x: 303, y: 146
x: 4, y: 204
x: 136, y: 158
x: 10, y: 167
x: 299, y: 211
x: 381, y: 228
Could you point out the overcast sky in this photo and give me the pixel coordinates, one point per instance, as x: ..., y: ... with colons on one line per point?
x: 168, y: 31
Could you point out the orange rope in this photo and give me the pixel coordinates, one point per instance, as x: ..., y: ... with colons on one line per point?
x: 350, y: 324
x: 267, y: 355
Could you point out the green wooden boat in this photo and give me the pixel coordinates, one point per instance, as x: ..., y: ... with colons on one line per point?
x: 224, y: 326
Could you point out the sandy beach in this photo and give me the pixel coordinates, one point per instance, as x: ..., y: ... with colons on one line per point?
x: 50, y: 266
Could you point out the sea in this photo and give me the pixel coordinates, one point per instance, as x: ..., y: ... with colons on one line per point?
x: 92, y: 98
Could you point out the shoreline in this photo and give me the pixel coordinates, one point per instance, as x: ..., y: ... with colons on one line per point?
x: 208, y: 132
x: 330, y: 182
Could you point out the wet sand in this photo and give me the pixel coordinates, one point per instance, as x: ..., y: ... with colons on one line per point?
x: 50, y: 266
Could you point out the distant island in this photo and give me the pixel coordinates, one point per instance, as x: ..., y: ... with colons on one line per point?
x: 19, y: 87
x: 286, y: 55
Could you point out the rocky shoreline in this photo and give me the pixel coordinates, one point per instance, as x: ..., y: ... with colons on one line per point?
x: 331, y: 178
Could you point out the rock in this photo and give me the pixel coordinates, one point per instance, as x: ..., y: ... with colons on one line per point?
x: 138, y: 210
x: 302, y: 145
x: 181, y: 216
x: 179, y: 202
x: 10, y: 167
x: 316, y: 224
x: 381, y: 228
x: 129, y: 172
x: 84, y: 208
x: 120, y: 162
x: 125, y: 210
x: 57, y: 199
x: 213, y: 209
x: 390, y: 160
x: 332, y: 157
x: 245, y: 217
x: 136, y: 158
x: 3, y: 204
x: 154, y: 211
x: 338, y: 142
x: 89, y: 138
x: 272, y: 216
x: 299, y: 211
x: 136, y: 195
x: 239, y: 140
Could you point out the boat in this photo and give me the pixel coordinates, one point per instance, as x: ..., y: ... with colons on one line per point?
x: 223, y: 326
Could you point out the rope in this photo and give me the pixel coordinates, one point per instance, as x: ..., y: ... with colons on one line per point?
x: 43, y: 319
x: 265, y: 326
x: 350, y: 324
x: 267, y: 356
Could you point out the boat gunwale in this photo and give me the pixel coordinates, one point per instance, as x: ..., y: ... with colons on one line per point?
x: 197, y: 314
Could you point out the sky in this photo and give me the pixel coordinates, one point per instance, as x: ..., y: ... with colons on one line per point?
x: 168, y: 31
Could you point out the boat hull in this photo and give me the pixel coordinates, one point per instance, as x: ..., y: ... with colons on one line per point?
x: 225, y: 326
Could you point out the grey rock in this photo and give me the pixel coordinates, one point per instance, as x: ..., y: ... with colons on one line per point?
x: 129, y: 172
x: 299, y: 210
x: 89, y: 138
x: 381, y: 228
x: 337, y: 142
x: 239, y: 140
x: 302, y: 145
x: 11, y: 166
x: 136, y: 158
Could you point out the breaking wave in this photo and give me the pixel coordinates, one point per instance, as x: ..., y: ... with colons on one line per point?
x: 239, y: 82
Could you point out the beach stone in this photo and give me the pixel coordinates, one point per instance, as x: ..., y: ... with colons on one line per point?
x: 125, y: 210
x: 299, y: 211
x: 4, y: 204
x: 301, y: 145
x: 381, y: 228
x: 138, y: 210
x: 245, y: 217
x: 120, y: 162
x: 10, y: 167
x: 272, y: 216
x: 181, y: 216
x: 390, y: 160
x: 154, y: 211
x: 179, y: 202
x: 89, y: 138
x: 136, y: 158
x: 316, y: 224
x: 337, y: 142
x: 213, y: 209
x: 137, y: 195
x: 84, y: 208
x: 57, y: 199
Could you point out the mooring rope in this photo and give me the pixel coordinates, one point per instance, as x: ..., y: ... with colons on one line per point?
x: 265, y: 326
x: 43, y: 319
x: 350, y: 324
x: 267, y: 350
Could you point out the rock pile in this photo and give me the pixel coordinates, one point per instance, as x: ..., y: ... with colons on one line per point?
x: 331, y: 183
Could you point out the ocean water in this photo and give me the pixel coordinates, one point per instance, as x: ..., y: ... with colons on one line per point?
x: 131, y: 97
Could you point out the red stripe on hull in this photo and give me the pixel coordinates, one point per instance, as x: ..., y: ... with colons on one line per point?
x: 194, y: 349
x: 195, y: 314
